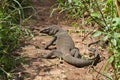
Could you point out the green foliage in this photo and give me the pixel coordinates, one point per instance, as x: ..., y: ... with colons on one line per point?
x: 73, y: 7
x: 111, y: 33
x: 15, y: 10
x: 103, y: 12
x: 11, y: 33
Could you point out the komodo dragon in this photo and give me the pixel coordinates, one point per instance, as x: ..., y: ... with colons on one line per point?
x: 66, y: 48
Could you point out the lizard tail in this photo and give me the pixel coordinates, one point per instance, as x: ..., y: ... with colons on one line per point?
x: 81, y: 62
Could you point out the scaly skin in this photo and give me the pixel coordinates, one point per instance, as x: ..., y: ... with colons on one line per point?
x: 66, y: 48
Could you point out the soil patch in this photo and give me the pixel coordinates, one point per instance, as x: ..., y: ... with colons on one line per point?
x: 52, y: 69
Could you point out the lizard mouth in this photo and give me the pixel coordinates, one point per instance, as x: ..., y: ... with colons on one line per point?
x: 44, y: 30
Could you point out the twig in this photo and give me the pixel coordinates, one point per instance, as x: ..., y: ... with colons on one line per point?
x: 101, y: 12
x: 86, y: 36
x: 8, y: 74
x: 102, y: 74
x: 115, y: 71
x: 84, y: 2
x: 93, y: 43
x: 99, y: 71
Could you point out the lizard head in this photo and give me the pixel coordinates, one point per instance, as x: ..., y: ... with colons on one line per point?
x: 50, y: 30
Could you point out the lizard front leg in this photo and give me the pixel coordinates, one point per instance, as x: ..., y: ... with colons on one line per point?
x: 50, y: 42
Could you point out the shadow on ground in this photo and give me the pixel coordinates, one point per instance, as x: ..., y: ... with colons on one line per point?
x: 52, y: 69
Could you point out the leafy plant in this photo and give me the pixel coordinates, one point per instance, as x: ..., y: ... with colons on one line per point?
x: 102, y: 12
x: 74, y: 8
x: 111, y: 34
x: 12, y: 15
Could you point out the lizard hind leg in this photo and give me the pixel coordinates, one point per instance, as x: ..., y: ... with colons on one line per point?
x: 47, y: 56
x: 57, y: 53
x: 75, y: 53
x: 52, y: 54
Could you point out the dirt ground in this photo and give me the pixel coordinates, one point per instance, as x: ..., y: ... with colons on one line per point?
x: 51, y: 69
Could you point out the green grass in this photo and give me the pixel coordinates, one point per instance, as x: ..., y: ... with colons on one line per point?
x: 12, y: 16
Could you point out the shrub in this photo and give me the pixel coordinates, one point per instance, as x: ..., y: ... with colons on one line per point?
x: 11, y: 33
